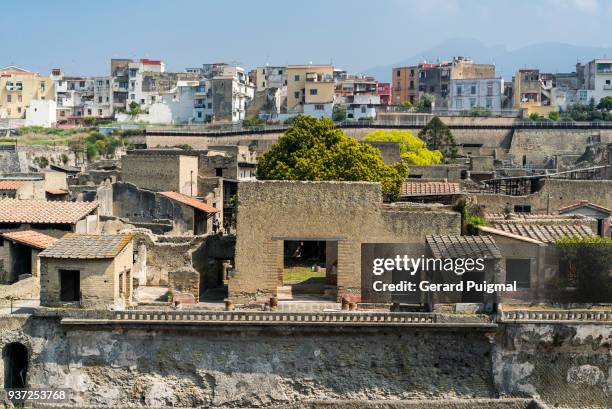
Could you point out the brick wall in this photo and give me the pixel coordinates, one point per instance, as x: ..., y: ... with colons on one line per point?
x: 350, y: 213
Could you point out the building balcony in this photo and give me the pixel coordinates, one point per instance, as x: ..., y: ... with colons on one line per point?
x: 607, y: 87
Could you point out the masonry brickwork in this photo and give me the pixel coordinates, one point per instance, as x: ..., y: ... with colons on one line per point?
x: 349, y: 213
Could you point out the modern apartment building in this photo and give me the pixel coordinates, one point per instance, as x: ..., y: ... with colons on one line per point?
x: 532, y: 91
x: 594, y: 80
x: 404, y: 84
x: 223, y: 92
x: 480, y: 92
x: 411, y: 82
x: 270, y: 77
x: 19, y: 87
x: 310, y: 90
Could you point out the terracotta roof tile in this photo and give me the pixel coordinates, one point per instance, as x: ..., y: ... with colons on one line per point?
x: 30, y: 238
x: 88, y: 246
x: 453, y: 247
x: 545, y: 233
x: 41, y: 211
x: 430, y: 188
x: 56, y: 191
x: 189, y: 201
x: 11, y: 184
x: 585, y: 203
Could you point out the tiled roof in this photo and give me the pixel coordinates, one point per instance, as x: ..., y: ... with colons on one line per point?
x: 463, y: 247
x: 585, y: 203
x: 546, y: 233
x: 189, y: 201
x: 11, y: 184
x: 41, y: 211
x: 430, y: 188
x: 491, y: 230
x: 88, y: 246
x: 30, y: 238
x: 56, y: 191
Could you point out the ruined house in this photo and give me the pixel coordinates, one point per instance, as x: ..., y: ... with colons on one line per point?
x: 54, y: 218
x: 527, y: 243
x: 94, y: 271
x: 341, y: 217
x: 19, y: 253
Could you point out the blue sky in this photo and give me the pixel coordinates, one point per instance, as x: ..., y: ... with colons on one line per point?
x: 82, y: 36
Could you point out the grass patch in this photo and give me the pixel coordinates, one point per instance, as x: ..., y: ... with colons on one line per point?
x: 298, y: 274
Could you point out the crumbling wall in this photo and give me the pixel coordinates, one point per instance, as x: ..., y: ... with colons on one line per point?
x: 283, y: 366
x: 565, y: 365
x: 237, y: 366
x: 555, y: 194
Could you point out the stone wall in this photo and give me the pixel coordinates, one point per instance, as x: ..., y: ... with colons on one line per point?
x: 565, y: 365
x: 540, y: 146
x: 286, y: 366
x: 270, y: 212
x: 555, y: 194
x: 161, y: 172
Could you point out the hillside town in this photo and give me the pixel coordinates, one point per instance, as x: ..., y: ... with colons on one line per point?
x: 141, y: 90
x: 205, y: 238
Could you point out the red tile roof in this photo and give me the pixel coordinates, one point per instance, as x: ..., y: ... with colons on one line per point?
x: 41, y: 211
x: 585, y: 203
x: 30, y: 238
x: 11, y: 184
x: 544, y: 233
x: 56, y: 191
x: 430, y: 188
x: 189, y: 201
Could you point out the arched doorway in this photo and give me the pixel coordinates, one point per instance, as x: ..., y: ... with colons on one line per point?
x: 15, y: 359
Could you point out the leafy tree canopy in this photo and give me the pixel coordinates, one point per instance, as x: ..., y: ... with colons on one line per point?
x: 412, y: 149
x: 438, y: 136
x: 314, y: 149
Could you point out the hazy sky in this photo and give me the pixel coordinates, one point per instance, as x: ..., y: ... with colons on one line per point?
x: 82, y: 36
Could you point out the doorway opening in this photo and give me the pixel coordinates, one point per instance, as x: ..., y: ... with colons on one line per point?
x: 22, y: 260
x: 309, y: 270
x: 214, y: 278
x: 15, y: 359
x: 70, y: 285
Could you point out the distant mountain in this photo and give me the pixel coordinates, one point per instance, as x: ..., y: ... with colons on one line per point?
x: 548, y: 57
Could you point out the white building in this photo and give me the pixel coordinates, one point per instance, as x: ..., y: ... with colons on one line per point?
x: 138, y: 91
x: 362, y: 107
x: 319, y: 110
x: 223, y: 93
x: 41, y: 112
x: 175, y: 106
x: 478, y: 92
x: 596, y: 78
x: 271, y: 77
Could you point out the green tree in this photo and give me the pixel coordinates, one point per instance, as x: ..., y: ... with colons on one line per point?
x: 534, y: 116
x: 554, y: 115
x: 41, y: 161
x: 406, y: 104
x: 605, y: 104
x: 314, y: 149
x: 425, y: 103
x: 64, y: 158
x: 91, y: 152
x: 134, y: 109
x: 412, y: 149
x: 585, y: 265
x: 479, y: 112
x: 89, y: 120
x: 112, y: 144
x: 339, y: 113
x: 438, y: 136
x: 252, y: 122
